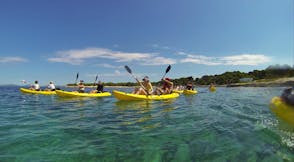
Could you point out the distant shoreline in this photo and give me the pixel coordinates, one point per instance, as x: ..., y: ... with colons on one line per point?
x: 281, y: 82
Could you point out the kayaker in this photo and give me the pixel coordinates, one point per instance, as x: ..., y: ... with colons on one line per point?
x: 146, y: 87
x: 167, y: 87
x: 211, y: 85
x: 189, y: 86
x: 81, y: 87
x: 35, y: 86
x: 51, y: 86
x: 288, y: 96
x: 99, y: 88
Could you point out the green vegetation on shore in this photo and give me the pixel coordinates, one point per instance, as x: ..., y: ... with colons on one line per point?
x: 269, y: 74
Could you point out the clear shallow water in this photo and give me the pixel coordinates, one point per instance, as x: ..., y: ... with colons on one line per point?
x: 233, y: 124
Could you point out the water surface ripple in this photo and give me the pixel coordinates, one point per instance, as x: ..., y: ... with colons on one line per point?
x: 232, y: 124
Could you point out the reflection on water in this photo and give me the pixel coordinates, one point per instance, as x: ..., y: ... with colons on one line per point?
x: 143, y: 113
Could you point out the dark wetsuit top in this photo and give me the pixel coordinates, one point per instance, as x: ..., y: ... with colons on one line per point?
x: 99, y: 88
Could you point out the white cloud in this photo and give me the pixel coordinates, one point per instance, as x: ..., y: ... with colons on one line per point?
x: 77, y: 57
x: 160, y: 47
x: 116, y: 73
x: 109, y: 66
x: 199, y: 59
x: 12, y: 59
x: 246, y: 59
x: 159, y: 61
x: 181, y: 53
x: 242, y: 59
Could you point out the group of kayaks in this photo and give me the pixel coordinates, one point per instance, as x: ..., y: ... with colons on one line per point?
x: 118, y: 94
x: 281, y: 109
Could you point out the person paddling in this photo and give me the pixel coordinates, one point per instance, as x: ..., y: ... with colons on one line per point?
x: 35, y: 86
x: 146, y: 87
x: 51, y: 86
x: 167, y: 87
x: 211, y: 85
x: 81, y: 87
x: 288, y: 96
x: 99, y: 88
x: 189, y: 86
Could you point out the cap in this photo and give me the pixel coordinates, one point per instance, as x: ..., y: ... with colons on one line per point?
x: 167, y: 79
x: 146, y: 78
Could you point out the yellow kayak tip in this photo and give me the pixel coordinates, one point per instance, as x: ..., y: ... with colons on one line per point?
x: 212, y: 89
x: 282, y: 110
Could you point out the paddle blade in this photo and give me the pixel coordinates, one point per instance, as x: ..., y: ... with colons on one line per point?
x: 167, y: 69
x: 128, y: 69
x: 77, y: 77
x: 96, y: 77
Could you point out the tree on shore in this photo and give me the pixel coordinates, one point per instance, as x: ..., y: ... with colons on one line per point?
x: 271, y: 72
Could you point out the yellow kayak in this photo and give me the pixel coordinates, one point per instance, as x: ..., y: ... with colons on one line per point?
x: 77, y: 94
x: 189, y: 92
x: 178, y: 91
x: 282, y: 110
x: 212, y: 89
x: 25, y: 90
x: 129, y: 96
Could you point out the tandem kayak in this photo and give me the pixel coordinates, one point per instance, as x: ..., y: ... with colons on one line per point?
x: 77, y: 94
x: 25, y: 90
x: 189, y: 92
x: 283, y: 110
x: 131, y: 97
x: 212, y: 89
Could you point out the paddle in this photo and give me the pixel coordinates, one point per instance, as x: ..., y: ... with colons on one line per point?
x: 167, y: 70
x: 77, y: 78
x: 130, y: 71
x: 24, y: 82
x: 96, y: 79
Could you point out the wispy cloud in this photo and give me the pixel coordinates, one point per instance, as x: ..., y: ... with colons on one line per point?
x: 109, y: 66
x: 12, y: 59
x: 159, y: 61
x: 246, y: 59
x: 242, y: 59
x: 157, y: 46
x: 200, y: 59
x: 77, y: 57
x: 115, y: 73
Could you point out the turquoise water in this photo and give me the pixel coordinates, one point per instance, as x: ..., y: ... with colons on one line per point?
x: 233, y: 124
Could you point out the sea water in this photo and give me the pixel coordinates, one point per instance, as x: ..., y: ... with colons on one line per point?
x: 231, y: 124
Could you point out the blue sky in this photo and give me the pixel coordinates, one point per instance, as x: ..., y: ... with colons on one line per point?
x: 53, y: 40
